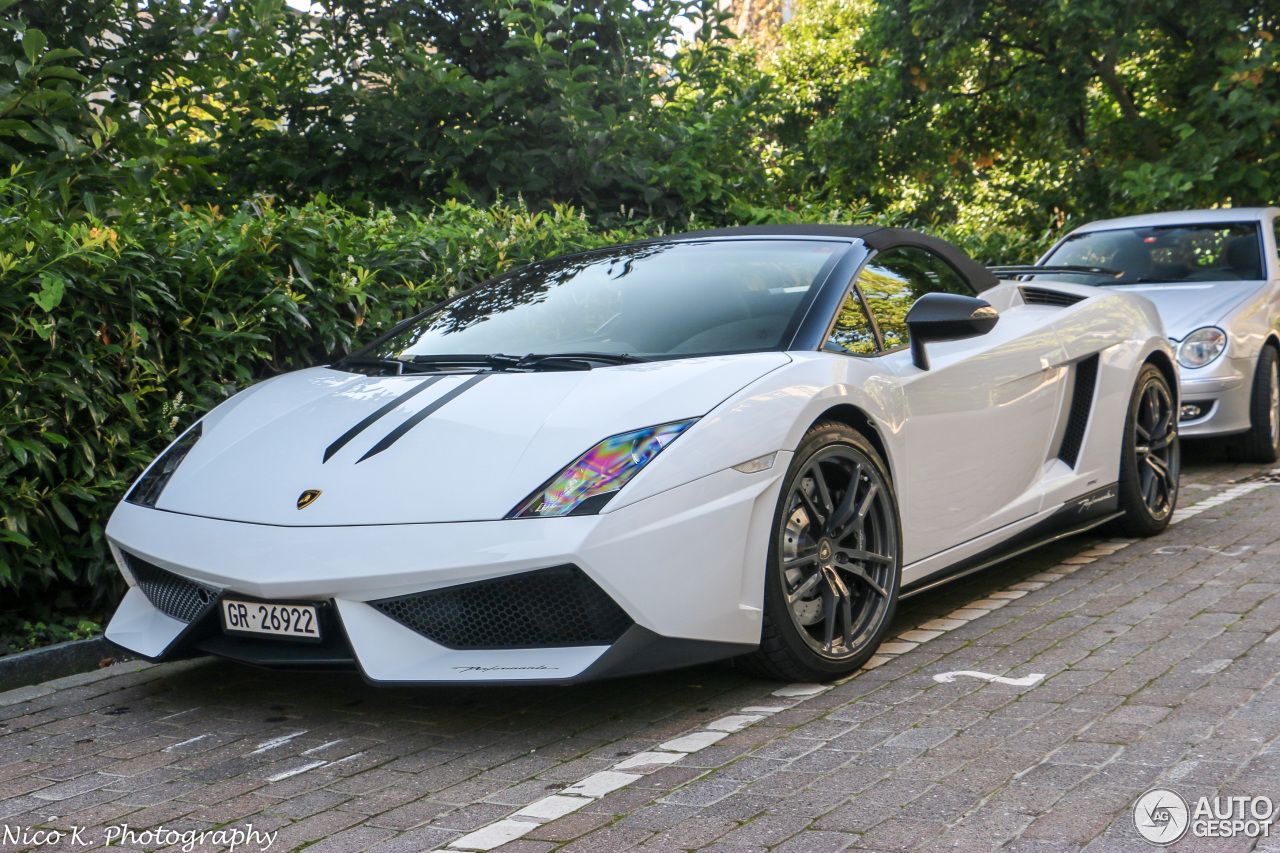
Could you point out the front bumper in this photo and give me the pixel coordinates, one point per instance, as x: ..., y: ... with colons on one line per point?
x: 686, y: 566
x: 1222, y: 393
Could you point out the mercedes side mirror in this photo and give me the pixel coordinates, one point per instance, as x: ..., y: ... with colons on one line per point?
x: 946, y: 317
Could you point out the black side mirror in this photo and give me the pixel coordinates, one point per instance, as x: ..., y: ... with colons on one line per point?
x: 946, y: 317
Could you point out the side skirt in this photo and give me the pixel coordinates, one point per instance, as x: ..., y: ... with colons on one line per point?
x: 1075, y: 516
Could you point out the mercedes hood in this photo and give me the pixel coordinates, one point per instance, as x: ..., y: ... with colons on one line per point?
x: 1186, y: 306
x: 427, y: 447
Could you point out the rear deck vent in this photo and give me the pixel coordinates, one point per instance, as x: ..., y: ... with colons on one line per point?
x: 546, y: 608
x: 1081, y: 404
x: 1042, y: 296
x: 171, y: 594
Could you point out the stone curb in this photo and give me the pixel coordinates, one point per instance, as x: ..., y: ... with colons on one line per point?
x: 54, y: 662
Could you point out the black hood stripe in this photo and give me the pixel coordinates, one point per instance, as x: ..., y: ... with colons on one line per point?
x: 369, y: 421
x: 431, y: 408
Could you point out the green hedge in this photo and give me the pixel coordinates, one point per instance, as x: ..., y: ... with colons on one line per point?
x: 117, y: 331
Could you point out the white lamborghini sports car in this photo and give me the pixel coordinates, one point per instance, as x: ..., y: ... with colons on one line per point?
x: 743, y: 443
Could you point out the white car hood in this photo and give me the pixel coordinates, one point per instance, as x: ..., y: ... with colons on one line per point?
x: 1186, y: 306
x: 474, y: 458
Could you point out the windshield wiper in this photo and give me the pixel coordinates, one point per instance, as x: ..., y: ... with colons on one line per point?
x: 532, y: 361
x: 395, y: 365
x: 1048, y: 269
x: 569, y: 359
x: 496, y: 361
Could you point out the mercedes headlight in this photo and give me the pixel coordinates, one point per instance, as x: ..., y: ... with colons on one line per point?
x: 596, y: 476
x: 148, y: 489
x: 1201, y: 347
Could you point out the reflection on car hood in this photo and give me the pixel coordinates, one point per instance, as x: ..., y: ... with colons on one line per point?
x: 473, y: 458
x: 1186, y: 306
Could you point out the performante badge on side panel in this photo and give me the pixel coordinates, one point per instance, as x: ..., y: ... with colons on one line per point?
x: 307, y: 498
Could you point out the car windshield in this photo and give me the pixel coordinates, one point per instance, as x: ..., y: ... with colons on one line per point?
x: 1219, y: 251
x: 658, y: 300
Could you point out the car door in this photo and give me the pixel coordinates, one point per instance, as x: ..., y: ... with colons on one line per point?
x: 979, y: 423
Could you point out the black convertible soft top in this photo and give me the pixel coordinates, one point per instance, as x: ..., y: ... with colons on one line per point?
x: 876, y: 237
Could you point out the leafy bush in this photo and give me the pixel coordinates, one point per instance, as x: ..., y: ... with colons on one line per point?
x: 118, y: 330
x: 43, y: 623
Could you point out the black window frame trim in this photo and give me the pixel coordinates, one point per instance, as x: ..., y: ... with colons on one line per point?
x: 866, y: 308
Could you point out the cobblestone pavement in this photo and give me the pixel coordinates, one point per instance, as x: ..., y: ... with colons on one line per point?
x: 1158, y: 666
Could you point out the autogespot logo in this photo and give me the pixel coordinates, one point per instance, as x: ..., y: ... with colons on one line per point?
x: 1161, y: 816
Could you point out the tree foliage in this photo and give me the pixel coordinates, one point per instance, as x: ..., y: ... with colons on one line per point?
x: 598, y: 103
x: 1020, y: 108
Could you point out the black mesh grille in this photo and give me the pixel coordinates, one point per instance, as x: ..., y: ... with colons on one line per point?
x: 172, y: 595
x: 1081, y: 404
x: 559, y: 606
x: 1040, y: 296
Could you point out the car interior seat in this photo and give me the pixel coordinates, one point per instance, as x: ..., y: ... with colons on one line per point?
x: 1244, y: 258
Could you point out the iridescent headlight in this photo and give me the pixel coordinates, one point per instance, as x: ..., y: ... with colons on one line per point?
x: 148, y: 489
x: 1201, y: 347
x: 596, y: 476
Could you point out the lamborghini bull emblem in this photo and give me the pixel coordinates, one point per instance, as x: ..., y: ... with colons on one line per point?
x: 307, y: 498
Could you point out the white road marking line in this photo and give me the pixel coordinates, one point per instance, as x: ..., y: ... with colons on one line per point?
x: 649, y: 759
x: 322, y: 746
x: 494, y: 835
x: 1217, y: 500
x: 553, y: 807
x: 1229, y: 551
x: 1026, y: 681
x: 734, y: 722
x: 693, y: 742
x: 179, y: 714
x: 521, y: 823
x: 604, y: 782
x: 276, y: 741
x: 351, y: 757
x: 597, y: 785
x: 801, y: 690
x: 174, y: 746
x: 295, y: 771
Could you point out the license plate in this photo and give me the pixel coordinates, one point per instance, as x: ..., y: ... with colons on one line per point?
x: 278, y: 620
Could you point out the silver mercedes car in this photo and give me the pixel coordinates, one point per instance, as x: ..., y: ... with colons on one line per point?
x: 1214, y: 276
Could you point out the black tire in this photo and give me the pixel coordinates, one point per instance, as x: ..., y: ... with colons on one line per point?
x: 1150, y: 457
x: 840, y: 572
x: 1262, y: 442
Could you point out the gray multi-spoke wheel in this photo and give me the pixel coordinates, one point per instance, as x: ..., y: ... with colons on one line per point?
x: 1151, y: 457
x: 832, y: 577
x: 1262, y: 442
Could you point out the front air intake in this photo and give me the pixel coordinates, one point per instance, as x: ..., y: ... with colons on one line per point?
x: 545, y: 608
x: 171, y: 594
x: 1043, y: 296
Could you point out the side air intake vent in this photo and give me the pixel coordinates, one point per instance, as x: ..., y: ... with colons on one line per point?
x: 171, y: 594
x: 1081, y: 405
x: 559, y: 606
x: 1041, y: 296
